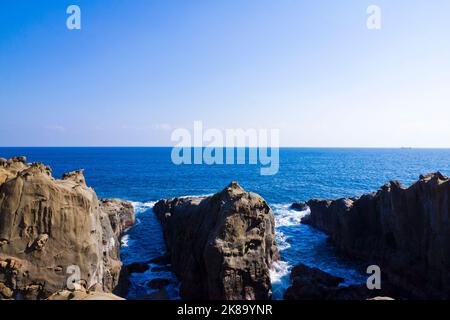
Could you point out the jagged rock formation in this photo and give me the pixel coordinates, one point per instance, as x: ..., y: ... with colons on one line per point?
x: 314, y: 284
x: 310, y: 284
x: 221, y: 246
x: 120, y: 213
x: 50, y: 229
x: 300, y: 206
x: 406, y: 231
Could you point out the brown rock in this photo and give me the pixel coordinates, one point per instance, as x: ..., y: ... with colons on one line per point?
x: 5, y: 292
x: 120, y: 213
x: 21, y: 159
x: 381, y: 299
x: 221, y: 246
x: 39, y: 243
x: 82, y: 295
x: 300, y: 206
x: 404, y: 230
x: 48, y: 227
x: 76, y: 176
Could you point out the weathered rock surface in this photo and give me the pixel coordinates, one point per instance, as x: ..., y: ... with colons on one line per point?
x: 221, y: 246
x: 120, y: 213
x: 406, y: 231
x: 51, y: 228
x: 310, y: 284
x: 300, y: 206
x: 314, y: 284
x: 82, y: 294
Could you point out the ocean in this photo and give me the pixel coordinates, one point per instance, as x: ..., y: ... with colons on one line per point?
x: 145, y: 175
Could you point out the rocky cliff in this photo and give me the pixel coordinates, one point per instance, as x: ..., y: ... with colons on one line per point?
x: 314, y: 284
x: 221, y: 246
x: 120, y: 214
x: 404, y: 230
x: 55, y: 234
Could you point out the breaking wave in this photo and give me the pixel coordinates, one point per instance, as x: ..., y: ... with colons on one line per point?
x: 285, y: 217
x: 140, y: 207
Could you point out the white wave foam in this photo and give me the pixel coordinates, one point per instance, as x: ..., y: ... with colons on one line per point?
x: 286, y: 217
x: 278, y: 271
x: 196, y: 196
x: 124, y: 241
x: 281, y: 240
x: 279, y: 276
x: 140, y: 207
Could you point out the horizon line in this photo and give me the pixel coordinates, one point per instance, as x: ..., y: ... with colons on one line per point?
x: 280, y: 147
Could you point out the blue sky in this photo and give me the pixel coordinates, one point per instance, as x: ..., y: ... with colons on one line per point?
x: 139, y: 69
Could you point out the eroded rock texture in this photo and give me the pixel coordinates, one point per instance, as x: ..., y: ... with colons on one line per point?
x: 314, y: 284
x: 48, y: 229
x: 120, y: 213
x: 406, y: 231
x: 82, y: 294
x: 221, y: 246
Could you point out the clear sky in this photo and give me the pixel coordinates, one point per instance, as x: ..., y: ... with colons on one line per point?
x: 140, y: 68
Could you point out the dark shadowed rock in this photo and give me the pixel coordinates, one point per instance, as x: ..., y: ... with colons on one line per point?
x: 314, y: 284
x: 159, y: 295
x: 162, y: 260
x: 20, y: 159
x: 162, y: 268
x: 310, y: 283
x: 49, y: 227
x: 221, y: 246
x: 300, y: 206
x: 137, y: 267
x: 158, y: 283
x: 406, y: 231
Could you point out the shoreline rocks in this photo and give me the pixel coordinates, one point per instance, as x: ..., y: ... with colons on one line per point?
x: 158, y: 283
x: 314, y: 284
x: 137, y: 267
x: 299, y: 206
x: 404, y: 230
x: 82, y: 294
x: 120, y: 213
x: 310, y: 283
x: 221, y: 247
x: 53, y: 230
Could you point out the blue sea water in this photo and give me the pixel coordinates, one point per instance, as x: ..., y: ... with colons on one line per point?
x: 145, y: 175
